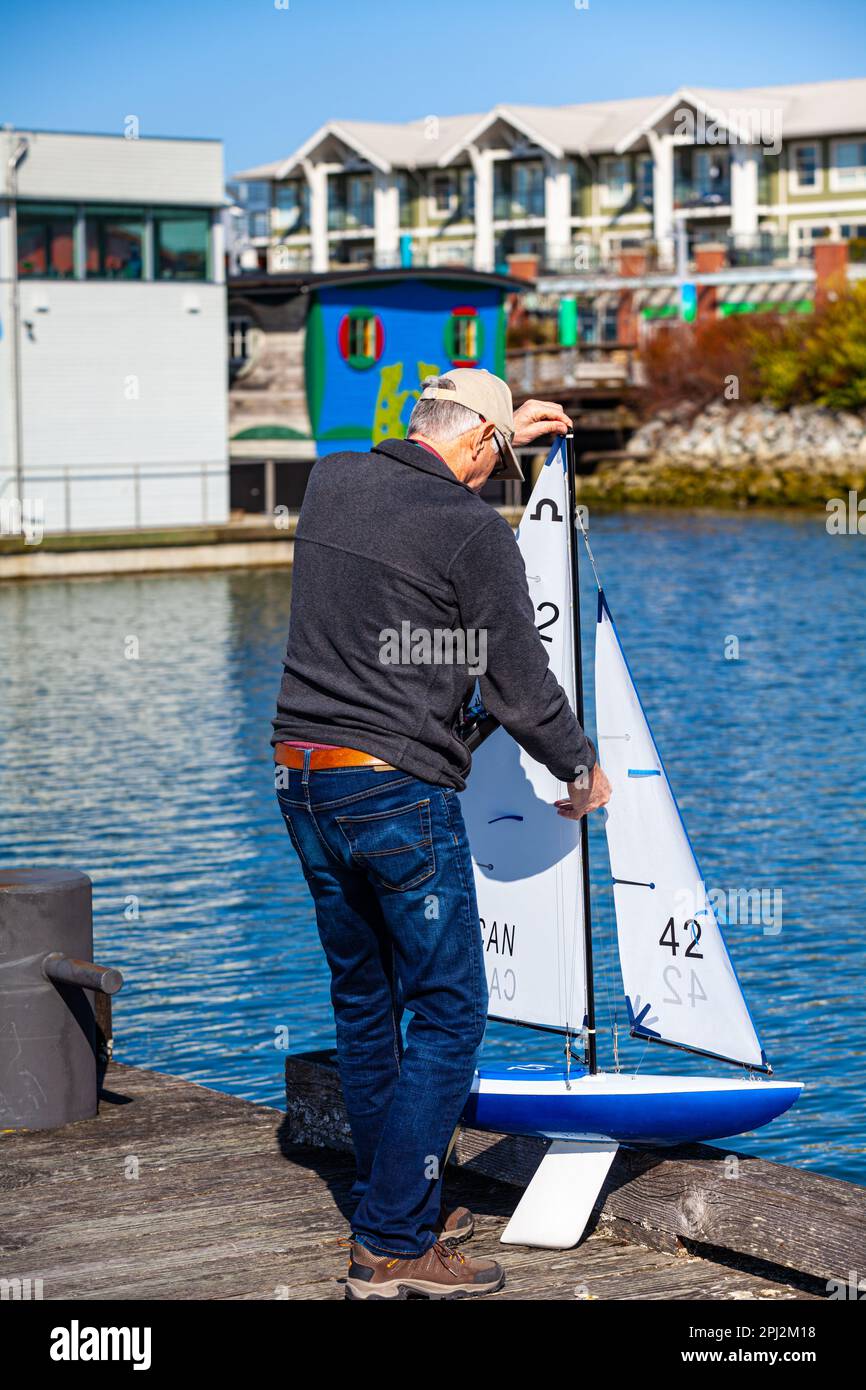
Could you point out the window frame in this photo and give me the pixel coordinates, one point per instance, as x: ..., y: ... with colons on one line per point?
x: 95, y: 216
x: 464, y: 317
x: 360, y: 362
x: 434, y: 211
x: 608, y: 199
x: 794, y: 185
x: 154, y: 215
x: 835, y: 184
x: 47, y: 213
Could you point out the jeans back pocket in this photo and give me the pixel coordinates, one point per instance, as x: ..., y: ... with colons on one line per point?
x: 395, y: 847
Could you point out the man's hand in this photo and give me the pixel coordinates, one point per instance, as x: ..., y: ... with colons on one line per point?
x: 582, y: 800
x: 535, y: 418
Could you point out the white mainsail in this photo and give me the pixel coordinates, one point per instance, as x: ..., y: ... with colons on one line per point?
x: 527, y: 859
x: 680, y: 983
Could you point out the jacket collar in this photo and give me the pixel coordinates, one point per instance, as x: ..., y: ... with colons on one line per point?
x: 417, y: 457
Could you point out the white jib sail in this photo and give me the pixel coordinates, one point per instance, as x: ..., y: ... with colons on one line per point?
x: 527, y: 858
x: 679, y: 981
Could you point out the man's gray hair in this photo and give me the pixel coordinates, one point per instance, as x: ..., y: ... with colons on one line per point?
x: 441, y: 420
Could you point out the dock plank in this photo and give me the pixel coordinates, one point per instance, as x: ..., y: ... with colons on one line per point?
x: 227, y: 1207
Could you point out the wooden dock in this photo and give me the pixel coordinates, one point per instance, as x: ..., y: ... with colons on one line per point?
x: 178, y: 1192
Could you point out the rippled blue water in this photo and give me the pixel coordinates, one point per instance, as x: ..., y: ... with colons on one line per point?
x: 153, y: 775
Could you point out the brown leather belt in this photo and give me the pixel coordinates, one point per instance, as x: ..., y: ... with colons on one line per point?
x: 321, y: 758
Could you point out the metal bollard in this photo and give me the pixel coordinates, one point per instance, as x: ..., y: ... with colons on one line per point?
x: 48, y: 1045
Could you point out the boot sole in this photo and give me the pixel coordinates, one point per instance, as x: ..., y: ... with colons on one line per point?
x: 457, y: 1237
x: 399, y: 1290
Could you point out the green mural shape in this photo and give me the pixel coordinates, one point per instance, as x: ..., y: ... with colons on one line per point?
x: 387, y: 421
x: 389, y: 404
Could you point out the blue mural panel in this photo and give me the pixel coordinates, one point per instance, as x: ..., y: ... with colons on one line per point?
x: 371, y: 344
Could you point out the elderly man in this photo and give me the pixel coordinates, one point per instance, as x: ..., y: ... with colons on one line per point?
x: 369, y: 763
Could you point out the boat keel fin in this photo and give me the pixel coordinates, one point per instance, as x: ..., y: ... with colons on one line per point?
x: 553, y: 1211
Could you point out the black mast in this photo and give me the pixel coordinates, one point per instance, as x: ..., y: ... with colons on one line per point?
x: 591, y: 1059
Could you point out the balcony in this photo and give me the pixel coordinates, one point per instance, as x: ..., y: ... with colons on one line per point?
x: 764, y: 248
x: 509, y: 207
x: 350, y: 219
x: 290, y: 221
x: 689, y: 193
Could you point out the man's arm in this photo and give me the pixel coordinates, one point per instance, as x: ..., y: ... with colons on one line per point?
x: 518, y: 686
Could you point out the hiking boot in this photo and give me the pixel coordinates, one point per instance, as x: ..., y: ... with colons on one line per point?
x: 439, y: 1273
x: 455, y: 1225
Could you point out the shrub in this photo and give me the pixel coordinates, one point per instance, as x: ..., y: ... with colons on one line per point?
x: 691, y: 364
x: 821, y: 360
x: 818, y: 359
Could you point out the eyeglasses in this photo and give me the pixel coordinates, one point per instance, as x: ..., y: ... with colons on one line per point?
x: 501, y: 464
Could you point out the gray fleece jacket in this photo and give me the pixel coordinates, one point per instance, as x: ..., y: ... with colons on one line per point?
x: 398, y: 567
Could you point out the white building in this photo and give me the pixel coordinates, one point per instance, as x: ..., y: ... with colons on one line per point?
x: 113, y: 374
x: 769, y: 171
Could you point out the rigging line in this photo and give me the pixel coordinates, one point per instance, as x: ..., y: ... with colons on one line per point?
x: 579, y: 519
x: 642, y: 1056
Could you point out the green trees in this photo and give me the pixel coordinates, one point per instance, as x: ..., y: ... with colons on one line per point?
x: 816, y: 359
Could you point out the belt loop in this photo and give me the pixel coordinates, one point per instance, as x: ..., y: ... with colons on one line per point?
x: 308, y: 753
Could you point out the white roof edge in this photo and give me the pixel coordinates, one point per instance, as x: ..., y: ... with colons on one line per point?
x: 286, y: 166
x: 681, y: 94
x: 499, y: 113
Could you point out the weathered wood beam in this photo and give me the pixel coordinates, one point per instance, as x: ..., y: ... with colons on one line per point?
x: 693, y: 1196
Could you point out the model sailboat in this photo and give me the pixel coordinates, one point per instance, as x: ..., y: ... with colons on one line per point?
x: 532, y: 881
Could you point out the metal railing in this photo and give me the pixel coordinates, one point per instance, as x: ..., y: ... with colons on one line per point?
x: 508, y: 207
x: 71, y: 476
x: 345, y: 219
x: 700, y: 195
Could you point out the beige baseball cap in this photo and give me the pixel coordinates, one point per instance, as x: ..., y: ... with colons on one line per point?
x: 490, y: 397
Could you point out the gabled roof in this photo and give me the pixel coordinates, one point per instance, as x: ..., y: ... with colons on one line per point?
x: 812, y: 108
x: 585, y: 128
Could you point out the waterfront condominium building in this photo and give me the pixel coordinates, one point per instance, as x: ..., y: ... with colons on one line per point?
x: 113, y: 364
x: 766, y: 171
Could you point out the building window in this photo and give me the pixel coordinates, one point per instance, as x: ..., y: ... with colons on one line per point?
x: 579, y: 179
x: 805, y: 168
x: 359, y: 200
x: 644, y: 189
x: 46, y: 241
x: 586, y: 329
x: 255, y: 200
x: 465, y: 195
x: 849, y: 164
x: 441, y: 194
x: 180, y: 244
x: 350, y: 201
x: 405, y: 194
x: 609, y: 324
x: 712, y: 176
x: 114, y: 241
x: 518, y: 189
x: 464, y: 337
x: 361, y: 338
x: 616, y: 182
x: 805, y: 236
x: 291, y: 206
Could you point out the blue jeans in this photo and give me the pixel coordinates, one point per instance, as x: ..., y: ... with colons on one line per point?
x: 387, y: 862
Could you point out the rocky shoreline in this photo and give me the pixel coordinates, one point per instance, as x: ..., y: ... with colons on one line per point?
x: 743, y: 456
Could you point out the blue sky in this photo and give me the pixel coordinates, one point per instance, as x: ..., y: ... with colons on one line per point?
x: 264, y: 78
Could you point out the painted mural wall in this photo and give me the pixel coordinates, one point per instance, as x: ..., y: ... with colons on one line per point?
x: 368, y: 348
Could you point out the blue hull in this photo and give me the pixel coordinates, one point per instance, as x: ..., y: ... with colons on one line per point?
x: 630, y: 1109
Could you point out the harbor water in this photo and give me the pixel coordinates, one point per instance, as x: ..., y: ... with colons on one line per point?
x: 134, y: 745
